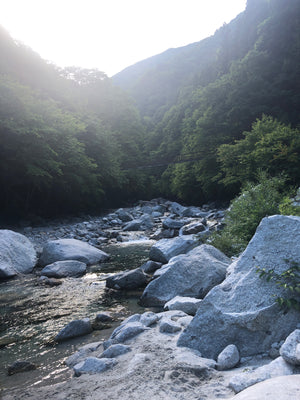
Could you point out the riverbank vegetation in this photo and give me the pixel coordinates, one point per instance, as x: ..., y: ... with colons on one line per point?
x: 192, y: 124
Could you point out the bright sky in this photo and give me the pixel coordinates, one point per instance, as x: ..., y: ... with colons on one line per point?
x: 112, y: 34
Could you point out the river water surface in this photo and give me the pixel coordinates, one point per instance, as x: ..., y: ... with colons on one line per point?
x: 32, y: 314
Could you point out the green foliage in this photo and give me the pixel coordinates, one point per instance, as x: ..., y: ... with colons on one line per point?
x: 289, y: 281
x: 246, y: 211
x: 248, y: 71
x: 287, y: 205
x: 270, y: 145
x: 63, y: 143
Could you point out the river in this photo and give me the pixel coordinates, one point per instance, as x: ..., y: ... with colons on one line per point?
x: 32, y: 314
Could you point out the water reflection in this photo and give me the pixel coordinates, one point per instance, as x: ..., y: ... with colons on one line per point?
x: 31, y: 315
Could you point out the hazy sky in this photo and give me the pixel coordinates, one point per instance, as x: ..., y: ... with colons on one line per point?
x: 112, y: 34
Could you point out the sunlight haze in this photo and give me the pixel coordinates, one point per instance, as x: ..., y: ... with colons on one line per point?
x: 112, y: 34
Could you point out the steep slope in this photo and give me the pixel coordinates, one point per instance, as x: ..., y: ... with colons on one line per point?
x: 252, y: 67
x: 156, y: 82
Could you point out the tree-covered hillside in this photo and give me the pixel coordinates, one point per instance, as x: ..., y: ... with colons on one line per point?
x: 66, y: 137
x: 249, y: 68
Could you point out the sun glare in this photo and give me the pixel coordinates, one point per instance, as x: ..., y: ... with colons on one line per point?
x: 112, y: 34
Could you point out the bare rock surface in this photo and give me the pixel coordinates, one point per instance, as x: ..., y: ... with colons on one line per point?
x: 277, y: 367
x: 188, y: 275
x: 242, y: 310
x: 71, y: 249
x: 282, y: 387
x: 290, y: 350
x: 62, y: 269
x: 78, y: 327
x: 17, y: 254
x: 165, y: 249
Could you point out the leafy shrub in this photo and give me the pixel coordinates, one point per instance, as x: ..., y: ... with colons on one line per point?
x: 287, y: 207
x: 289, y: 280
x: 245, y: 213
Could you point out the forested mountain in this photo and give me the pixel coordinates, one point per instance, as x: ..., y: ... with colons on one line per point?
x: 195, y: 124
x: 213, y: 91
x: 66, y: 136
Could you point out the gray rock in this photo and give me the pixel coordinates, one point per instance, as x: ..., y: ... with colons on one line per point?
x: 242, y: 309
x: 134, y: 225
x: 165, y: 249
x: 128, y: 331
x: 290, y: 350
x: 194, y: 212
x: 166, y: 325
x: 276, y: 368
x: 177, y: 208
x: 228, y: 358
x: 62, y: 269
x: 115, y: 350
x: 71, y: 249
x: 123, y: 215
x: 156, y: 214
x: 192, y: 228
x: 190, y: 275
x: 281, y: 388
x: 104, y: 316
x: 150, y: 266
x: 75, y: 328
x: 132, y: 279
x: 20, y: 366
x: 147, y: 222
x: 191, y: 360
x: 17, y: 254
x: 94, y: 365
x: 82, y: 353
x: 170, y: 223
x: 149, y: 318
x: 163, y: 234
x: 132, y: 318
x: 188, y: 305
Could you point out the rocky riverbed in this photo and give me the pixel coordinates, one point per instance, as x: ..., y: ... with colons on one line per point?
x: 221, y: 330
x: 34, y: 309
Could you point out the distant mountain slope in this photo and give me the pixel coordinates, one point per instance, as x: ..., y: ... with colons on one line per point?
x: 200, y: 97
x: 157, y: 81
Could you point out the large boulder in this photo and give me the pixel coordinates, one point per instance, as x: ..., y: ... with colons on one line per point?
x: 170, y: 223
x: 132, y: 279
x: 165, y: 249
x: 17, y: 254
x: 62, y: 269
x: 71, y: 249
x: 189, y: 275
x: 277, y: 367
x: 282, y: 387
x: 242, y: 310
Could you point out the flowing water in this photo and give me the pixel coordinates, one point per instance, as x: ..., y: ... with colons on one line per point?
x: 31, y: 315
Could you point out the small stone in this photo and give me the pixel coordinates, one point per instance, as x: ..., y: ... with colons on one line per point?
x: 169, y: 326
x: 228, y: 358
x: 20, y: 366
x: 290, y: 350
x: 93, y: 365
x: 115, y: 350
